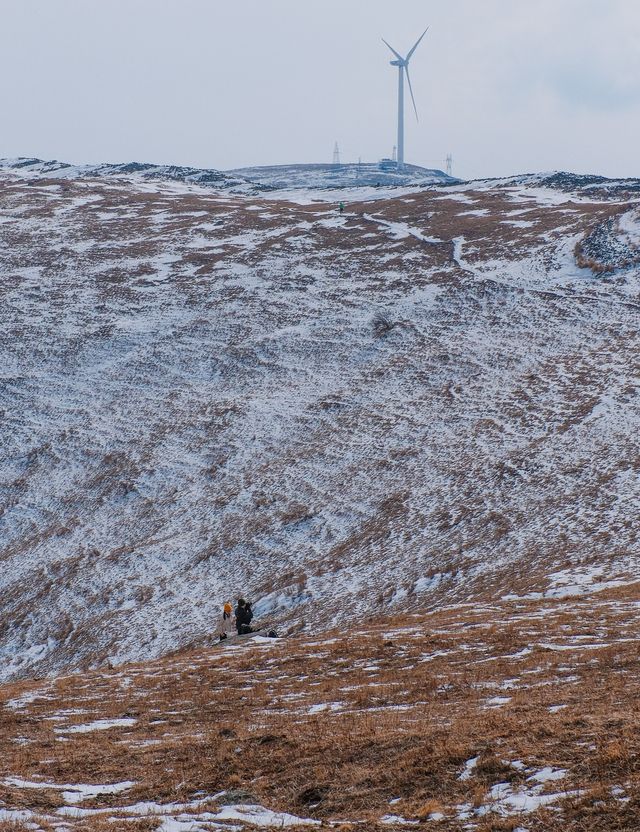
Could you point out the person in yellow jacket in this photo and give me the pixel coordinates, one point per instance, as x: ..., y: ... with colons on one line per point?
x: 227, y: 611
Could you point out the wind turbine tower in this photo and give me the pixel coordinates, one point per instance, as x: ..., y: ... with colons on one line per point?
x: 403, y: 69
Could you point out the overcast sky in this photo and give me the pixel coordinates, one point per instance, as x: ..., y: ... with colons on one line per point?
x: 506, y: 86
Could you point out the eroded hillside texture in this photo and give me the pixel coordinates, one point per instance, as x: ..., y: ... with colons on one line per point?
x: 429, y: 399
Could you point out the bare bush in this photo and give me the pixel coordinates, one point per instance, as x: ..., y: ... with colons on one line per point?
x: 381, y: 325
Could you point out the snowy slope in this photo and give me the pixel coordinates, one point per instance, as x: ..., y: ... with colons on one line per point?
x: 242, y: 180
x: 38, y: 169
x: 425, y: 400
x: 284, y: 177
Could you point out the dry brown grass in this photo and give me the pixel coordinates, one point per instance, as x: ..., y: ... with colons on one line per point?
x: 412, y: 701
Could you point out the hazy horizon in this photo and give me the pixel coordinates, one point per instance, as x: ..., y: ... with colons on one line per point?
x: 506, y: 88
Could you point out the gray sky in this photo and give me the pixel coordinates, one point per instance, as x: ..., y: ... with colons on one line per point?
x: 507, y: 86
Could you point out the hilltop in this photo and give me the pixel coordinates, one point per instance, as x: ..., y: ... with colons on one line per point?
x: 429, y: 400
x: 31, y: 168
x: 241, y: 181
x: 341, y: 176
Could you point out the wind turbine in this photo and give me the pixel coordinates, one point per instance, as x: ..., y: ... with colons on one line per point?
x: 403, y: 67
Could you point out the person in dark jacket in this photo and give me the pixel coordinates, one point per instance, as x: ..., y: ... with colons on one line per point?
x: 240, y: 615
x: 248, y: 615
x: 244, y: 616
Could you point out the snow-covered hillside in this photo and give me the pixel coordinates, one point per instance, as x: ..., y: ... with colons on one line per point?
x: 39, y: 169
x: 243, y: 180
x: 421, y: 401
x: 340, y: 176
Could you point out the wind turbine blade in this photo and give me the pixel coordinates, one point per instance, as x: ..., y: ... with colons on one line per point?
x: 399, y: 57
x: 417, y: 44
x: 411, y: 91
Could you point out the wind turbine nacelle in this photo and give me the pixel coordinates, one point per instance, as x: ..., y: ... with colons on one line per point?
x: 397, y: 63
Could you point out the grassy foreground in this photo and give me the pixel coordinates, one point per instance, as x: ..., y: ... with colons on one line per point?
x: 521, y: 715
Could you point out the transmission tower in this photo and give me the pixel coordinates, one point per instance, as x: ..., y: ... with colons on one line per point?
x: 336, y: 155
x: 449, y: 165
